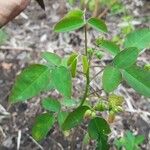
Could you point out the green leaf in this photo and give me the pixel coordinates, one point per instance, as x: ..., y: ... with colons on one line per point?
x: 49, y: 87
x: 98, y: 126
x: 97, y: 24
x: 86, y: 139
x: 52, y: 58
x: 30, y: 82
x: 111, y: 78
x: 102, y: 142
x: 61, y: 79
x: 129, y: 141
x: 117, y: 8
x: 42, y: 125
x: 69, y: 24
x: 64, y: 62
x: 85, y: 64
x: 69, y: 102
x: 51, y: 105
x: 138, y: 79
x: 147, y: 67
x: 72, y: 63
x: 74, y: 68
x: 71, y: 58
x: 126, y: 58
x: 75, y: 13
x: 110, y: 47
x: 139, y: 139
x: 74, y: 118
x: 62, y: 115
x: 139, y: 38
x: 119, y: 143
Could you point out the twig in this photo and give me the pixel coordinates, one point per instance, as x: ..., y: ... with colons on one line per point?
x: 104, y: 12
x: 34, y: 141
x: 128, y: 101
x: 2, y: 134
x: 96, y: 75
x: 97, y: 7
x: 73, y: 138
x: 58, y: 144
x: 16, y: 48
x: 97, y: 66
x: 95, y: 92
x: 18, y: 139
x: 3, y: 111
x: 129, y: 104
x: 82, y: 145
x: 138, y: 111
x: 82, y: 129
x: 143, y: 114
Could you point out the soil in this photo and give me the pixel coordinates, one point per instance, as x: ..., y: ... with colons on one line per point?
x: 29, y: 35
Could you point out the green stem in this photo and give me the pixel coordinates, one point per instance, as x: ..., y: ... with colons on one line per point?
x: 85, y: 34
x: 88, y: 71
x: 86, y: 88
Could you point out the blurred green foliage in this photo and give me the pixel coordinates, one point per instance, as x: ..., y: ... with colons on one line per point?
x: 3, y: 37
x: 129, y: 141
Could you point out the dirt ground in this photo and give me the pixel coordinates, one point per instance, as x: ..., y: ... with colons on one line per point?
x: 29, y: 35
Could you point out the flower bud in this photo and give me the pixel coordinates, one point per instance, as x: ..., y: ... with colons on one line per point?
x: 101, y: 106
x: 88, y: 114
x: 115, y: 100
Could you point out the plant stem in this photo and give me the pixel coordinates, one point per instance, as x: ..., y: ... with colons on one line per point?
x: 86, y: 88
x: 85, y: 34
x: 88, y: 71
x: 104, y: 12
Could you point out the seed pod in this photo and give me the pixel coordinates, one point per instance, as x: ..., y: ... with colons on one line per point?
x: 88, y: 114
x: 93, y: 114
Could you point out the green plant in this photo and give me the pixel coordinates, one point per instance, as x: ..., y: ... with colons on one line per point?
x: 95, y: 6
x: 57, y: 74
x: 100, y: 8
x: 129, y: 141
